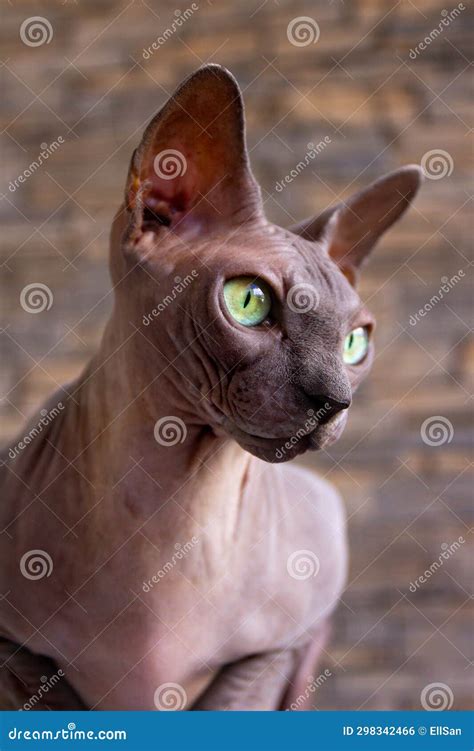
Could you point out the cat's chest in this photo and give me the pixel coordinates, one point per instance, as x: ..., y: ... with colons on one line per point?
x: 180, y: 631
x: 174, y: 602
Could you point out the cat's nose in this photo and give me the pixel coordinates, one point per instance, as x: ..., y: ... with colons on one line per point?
x: 326, y: 407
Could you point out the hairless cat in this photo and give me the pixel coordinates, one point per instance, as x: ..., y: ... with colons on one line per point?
x: 156, y: 551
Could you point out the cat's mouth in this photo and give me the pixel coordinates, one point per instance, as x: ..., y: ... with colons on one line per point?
x: 281, y: 449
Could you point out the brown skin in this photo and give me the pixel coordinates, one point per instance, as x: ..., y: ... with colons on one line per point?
x: 109, y: 503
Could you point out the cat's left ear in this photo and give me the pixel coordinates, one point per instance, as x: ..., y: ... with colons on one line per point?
x: 190, y: 172
x: 351, y: 229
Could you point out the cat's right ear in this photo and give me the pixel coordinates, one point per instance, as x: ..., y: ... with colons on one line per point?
x: 350, y: 230
x: 190, y: 174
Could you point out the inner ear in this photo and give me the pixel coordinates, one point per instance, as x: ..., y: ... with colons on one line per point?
x: 191, y: 168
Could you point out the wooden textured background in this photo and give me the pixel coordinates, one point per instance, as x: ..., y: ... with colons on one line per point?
x: 91, y: 86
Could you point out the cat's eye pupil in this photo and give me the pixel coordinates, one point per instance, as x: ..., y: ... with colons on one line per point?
x: 248, y: 300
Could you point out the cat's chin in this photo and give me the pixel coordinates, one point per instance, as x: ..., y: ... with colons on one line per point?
x: 274, y: 456
x: 279, y: 450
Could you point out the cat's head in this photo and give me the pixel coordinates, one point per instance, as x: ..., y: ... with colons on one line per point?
x: 255, y: 330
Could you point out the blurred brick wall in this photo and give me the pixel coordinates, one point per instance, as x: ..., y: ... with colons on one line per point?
x: 91, y: 87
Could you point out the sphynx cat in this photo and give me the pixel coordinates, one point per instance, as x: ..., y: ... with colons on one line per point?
x: 156, y: 550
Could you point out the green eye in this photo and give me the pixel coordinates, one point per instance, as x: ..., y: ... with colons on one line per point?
x: 247, y: 300
x: 356, y: 345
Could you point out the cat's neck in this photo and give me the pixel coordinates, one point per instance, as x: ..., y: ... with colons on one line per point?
x: 137, y: 442
x: 97, y: 465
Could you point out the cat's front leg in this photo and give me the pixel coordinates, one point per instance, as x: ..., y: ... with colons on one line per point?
x: 269, y: 681
x: 258, y: 682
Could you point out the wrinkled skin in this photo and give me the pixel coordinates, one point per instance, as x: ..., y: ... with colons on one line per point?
x: 110, y: 504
